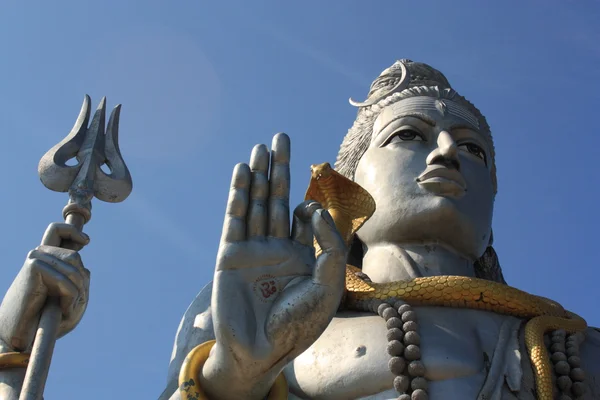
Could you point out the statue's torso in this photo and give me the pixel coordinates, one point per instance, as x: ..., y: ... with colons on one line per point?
x: 459, y: 347
x: 350, y: 360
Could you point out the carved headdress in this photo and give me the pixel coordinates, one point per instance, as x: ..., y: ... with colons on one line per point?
x: 403, y: 74
x: 404, y: 79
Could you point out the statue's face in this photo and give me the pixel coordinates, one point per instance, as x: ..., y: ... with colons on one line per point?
x: 428, y: 169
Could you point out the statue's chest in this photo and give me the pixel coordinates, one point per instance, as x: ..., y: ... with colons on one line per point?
x: 350, y: 359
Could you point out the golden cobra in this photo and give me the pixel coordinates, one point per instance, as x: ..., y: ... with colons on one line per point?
x: 350, y: 206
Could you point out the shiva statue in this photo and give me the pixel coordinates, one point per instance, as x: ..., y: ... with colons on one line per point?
x: 384, y: 285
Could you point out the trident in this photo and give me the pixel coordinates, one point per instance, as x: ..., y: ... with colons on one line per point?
x: 92, y: 148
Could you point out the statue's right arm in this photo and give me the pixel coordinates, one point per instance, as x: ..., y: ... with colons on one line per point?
x: 270, y: 298
x: 49, y: 270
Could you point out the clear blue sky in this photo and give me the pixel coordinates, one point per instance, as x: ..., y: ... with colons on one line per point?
x: 202, y: 82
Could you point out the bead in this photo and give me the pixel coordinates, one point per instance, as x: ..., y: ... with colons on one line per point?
x: 564, y: 383
x: 557, y: 339
x: 572, y: 343
x: 412, y: 337
x: 412, y: 352
x: 396, y: 348
x: 403, y: 307
x: 396, y: 365
x: 572, y: 351
x: 557, y: 347
x: 577, y: 374
x: 393, y: 323
x: 559, y: 333
x: 375, y: 303
x: 419, y: 394
x: 395, y: 334
x: 574, y: 361
x: 401, y: 383
x: 416, y: 368
x: 578, y: 389
x: 398, y: 303
x: 558, y: 356
x: 410, y: 326
x: 418, y: 383
x: 389, y: 313
x: 573, y: 338
x: 382, y: 307
x: 409, y: 316
x: 562, y: 368
x: 404, y: 396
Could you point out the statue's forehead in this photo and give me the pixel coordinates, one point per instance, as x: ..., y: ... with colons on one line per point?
x: 435, y: 109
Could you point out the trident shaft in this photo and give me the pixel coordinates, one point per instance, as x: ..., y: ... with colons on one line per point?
x: 92, y: 148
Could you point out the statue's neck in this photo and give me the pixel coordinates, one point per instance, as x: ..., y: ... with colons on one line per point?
x: 395, y: 262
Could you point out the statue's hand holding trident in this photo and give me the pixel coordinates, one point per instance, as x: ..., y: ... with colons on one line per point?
x: 271, y: 299
x: 51, y: 291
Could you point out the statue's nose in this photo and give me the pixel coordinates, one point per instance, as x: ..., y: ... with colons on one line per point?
x: 446, y: 152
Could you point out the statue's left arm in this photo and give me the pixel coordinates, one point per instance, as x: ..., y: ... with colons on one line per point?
x: 196, y: 327
x: 590, y: 362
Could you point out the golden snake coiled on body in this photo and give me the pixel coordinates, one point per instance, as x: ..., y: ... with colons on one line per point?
x: 350, y: 206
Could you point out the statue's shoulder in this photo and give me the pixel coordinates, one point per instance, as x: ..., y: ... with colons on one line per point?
x: 196, y: 327
x: 590, y: 361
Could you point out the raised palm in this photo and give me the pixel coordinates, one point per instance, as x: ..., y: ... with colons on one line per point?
x: 271, y: 299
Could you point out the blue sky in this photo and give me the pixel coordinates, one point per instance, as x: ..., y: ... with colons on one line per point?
x: 202, y: 82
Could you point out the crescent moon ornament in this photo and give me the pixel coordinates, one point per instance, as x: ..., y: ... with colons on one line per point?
x: 398, y: 87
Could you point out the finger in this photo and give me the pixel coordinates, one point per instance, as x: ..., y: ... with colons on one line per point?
x: 279, y: 187
x: 302, y: 231
x: 331, y: 263
x: 234, y: 226
x: 259, y: 191
x: 58, y: 285
x: 69, y: 265
x: 57, y: 232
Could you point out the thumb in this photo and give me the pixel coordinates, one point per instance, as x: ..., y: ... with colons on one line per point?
x: 57, y: 233
x: 331, y: 263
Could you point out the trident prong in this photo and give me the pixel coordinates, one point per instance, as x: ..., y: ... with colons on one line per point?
x: 92, y: 148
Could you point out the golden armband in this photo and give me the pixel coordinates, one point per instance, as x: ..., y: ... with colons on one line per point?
x: 190, y: 389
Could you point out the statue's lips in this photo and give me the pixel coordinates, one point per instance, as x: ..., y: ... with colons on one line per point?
x: 442, y: 180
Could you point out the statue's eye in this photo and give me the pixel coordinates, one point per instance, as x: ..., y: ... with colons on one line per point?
x: 405, y: 135
x: 475, y: 150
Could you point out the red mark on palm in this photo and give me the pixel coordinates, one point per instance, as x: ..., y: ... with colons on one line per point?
x: 268, y: 289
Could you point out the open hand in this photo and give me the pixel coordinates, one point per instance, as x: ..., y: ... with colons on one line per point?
x: 271, y: 299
